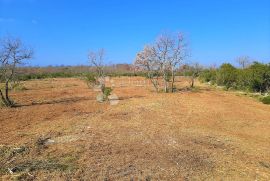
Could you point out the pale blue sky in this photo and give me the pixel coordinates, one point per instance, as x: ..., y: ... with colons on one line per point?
x: 62, y: 32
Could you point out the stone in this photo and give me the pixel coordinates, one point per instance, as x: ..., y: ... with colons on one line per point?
x: 114, y: 99
x: 49, y: 142
x: 100, y: 97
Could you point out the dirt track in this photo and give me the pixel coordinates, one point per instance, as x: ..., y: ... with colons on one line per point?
x: 199, y: 135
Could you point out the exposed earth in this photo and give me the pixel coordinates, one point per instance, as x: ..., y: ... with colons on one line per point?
x: 60, y: 132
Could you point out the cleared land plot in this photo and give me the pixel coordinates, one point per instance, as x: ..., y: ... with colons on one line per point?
x: 61, y: 133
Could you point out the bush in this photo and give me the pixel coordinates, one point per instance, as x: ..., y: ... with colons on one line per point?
x: 259, y: 75
x: 227, y: 75
x: 255, y: 78
x: 243, y: 80
x: 266, y: 100
x: 107, y: 91
x: 90, y: 80
x: 208, y: 75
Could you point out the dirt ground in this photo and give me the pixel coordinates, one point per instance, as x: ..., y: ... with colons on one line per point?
x: 60, y: 132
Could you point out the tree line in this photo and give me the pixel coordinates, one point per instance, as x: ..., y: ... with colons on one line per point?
x: 254, y: 77
x: 160, y: 62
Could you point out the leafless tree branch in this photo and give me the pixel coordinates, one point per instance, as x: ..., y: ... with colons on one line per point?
x: 12, y: 54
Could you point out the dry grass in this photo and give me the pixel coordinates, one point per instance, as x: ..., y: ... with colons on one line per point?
x: 204, y: 134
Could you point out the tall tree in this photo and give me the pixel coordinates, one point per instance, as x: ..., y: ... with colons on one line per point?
x: 164, y: 56
x: 146, y: 61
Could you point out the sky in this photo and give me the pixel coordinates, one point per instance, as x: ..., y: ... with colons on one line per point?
x: 62, y: 32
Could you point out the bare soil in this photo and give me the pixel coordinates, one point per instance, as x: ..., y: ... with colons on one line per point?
x: 60, y: 132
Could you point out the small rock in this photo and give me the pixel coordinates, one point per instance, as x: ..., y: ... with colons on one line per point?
x: 49, y: 142
x: 100, y: 97
x: 10, y: 171
x: 114, y: 99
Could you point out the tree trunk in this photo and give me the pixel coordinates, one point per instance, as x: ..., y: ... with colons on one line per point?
x: 153, y: 81
x: 156, y: 85
x: 3, y: 99
x: 192, y: 82
x: 172, y: 79
x: 7, y: 95
x: 165, y: 84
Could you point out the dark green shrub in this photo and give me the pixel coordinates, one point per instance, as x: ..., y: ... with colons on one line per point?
x: 243, y: 79
x: 107, y: 91
x: 227, y: 75
x: 259, y: 75
x: 208, y: 75
x: 255, y: 78
x: 266, y: 100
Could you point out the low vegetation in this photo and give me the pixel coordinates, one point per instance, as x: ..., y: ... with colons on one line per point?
x: 254, y: 78
x: 266, y: 100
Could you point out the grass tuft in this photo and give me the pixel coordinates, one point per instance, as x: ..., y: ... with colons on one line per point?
x: 265, y: 100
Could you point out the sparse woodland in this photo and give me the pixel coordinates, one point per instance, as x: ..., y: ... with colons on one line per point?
x: 160, y: 62
x: 68, y: 123
x: 122, y: 90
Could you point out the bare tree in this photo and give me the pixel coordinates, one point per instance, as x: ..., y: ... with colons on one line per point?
x: 243, y: 61
x: 179, y: 52
x: 195, y: 70
x: 146, y: 61
x: 12, y: 54
x: 96, y: 59
x: 164, y: 56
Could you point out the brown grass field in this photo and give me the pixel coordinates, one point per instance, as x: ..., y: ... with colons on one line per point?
x: 60, y: 132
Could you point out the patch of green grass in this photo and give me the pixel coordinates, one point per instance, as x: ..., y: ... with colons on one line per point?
x: 107, y: 91
x: 265, y: 100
